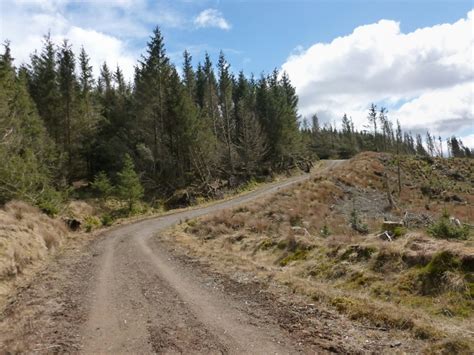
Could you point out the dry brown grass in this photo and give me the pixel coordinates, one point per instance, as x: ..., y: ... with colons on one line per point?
x: 80, y: 210
x: 27, y: 236
x: 369, y: 279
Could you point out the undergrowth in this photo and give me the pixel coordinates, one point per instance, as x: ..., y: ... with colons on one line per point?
x: 445, y: 228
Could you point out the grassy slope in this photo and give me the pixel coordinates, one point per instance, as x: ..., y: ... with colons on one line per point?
x: 415, y: 282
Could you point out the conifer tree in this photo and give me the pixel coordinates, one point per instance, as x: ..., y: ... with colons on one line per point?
x: 226, y: 124
x: 27, y: 155
x: 129, y: 188
x: 373, y: 122
x: 210, y: 98
x: 430, y: 143
x: 67, y: 86
x: 420, y: 150
x: 102, y: 185
x: 86, y: 79
x: 251, y: 141
x: 189, y: 77
x: 151, y: 83
x: 88, y: 114
x: 44, y: 87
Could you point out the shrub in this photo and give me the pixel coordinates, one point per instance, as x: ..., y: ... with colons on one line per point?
x: 102, y: 185
x: 91, y: 223
x: 107, y: 220
x: 50, y: 201
x: 129, y: 188
x: 445, y: 229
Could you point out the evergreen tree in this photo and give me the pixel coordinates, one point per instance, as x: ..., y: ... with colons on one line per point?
x: 315, y: 124
x: 129, y: 188
x: 210, y: 99
x: 88, y: 115
x: 373, y: 122
x: 440, y: 140
x: 86, y: 79
x: 456, y: 147
x: 346, y: 125
x: 181, y: 130
x: 251, y: 139
x: 398, y: 147
x: 420, y: 150
x: 28, y: 156
x: 44, y: 87
x: 430, y: 143
x: 189, y: 77
x: 67, y: 86
x: 151, y: 83
x: 226, y: 124
x: 102, y: 185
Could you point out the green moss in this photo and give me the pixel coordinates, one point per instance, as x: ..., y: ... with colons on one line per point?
x: 266, y: 244
x: 387, y: 260
x: 192, y: 222
x: 296, y: 256
x: 399, y: 231
x: 358, y: 253
x: 431, y: 276
x: 359, y: 278
x: 321, y: 269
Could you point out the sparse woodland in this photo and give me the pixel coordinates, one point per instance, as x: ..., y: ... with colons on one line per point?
x: 166, y: 130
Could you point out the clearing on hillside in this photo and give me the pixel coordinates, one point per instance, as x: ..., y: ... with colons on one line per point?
x: 348, y: 238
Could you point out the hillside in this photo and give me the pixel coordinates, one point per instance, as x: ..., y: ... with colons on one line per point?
x: 326, y: 239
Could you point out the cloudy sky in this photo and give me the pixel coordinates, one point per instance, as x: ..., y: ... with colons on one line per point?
x: 413, y: 57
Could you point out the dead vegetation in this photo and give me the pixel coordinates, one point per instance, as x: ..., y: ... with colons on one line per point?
x: 27, y: 237
x: 305, y: 238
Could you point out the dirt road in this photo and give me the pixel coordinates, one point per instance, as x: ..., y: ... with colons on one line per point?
x: 129, y: 291
x: 127, y: 294
x: 143, y: 301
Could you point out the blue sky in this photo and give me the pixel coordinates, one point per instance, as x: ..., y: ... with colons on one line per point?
x: 415, y: 57
x: 264, y: 33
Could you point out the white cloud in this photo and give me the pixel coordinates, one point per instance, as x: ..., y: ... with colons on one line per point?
x: 468, y: 141
x: 425, y: 77
x: 115, y: 34
x: 25, y: 23
x: 102, y: 48
x: 211, y: 18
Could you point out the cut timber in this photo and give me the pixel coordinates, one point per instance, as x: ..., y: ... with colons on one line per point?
x: 385, y: 236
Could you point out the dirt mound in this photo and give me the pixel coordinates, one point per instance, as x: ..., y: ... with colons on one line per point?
x: 27, y: 236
